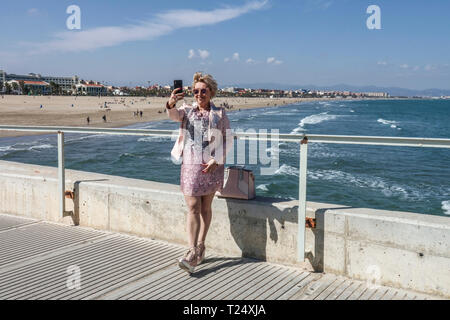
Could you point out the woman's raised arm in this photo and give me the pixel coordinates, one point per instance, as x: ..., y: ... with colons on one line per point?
x: 174, y: 113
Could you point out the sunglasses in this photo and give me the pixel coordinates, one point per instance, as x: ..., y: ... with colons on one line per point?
x: 203, y: 91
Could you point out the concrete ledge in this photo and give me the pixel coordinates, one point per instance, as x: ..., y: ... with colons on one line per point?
x: 398, y: 249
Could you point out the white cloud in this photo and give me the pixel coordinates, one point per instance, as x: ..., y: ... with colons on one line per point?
x: 250, y: 61
x: 272, y: 60
x: 382, y: 63
x: 204, y: 54
x: 404, y: 66
x: 162, y: 24
x: 194, y: 18
x: 416, y: 68
x: 430, y: 67
x: 234, y: 57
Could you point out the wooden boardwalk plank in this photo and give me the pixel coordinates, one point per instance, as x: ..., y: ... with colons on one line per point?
x: 400, y: 294
x: 317, y: 287
x: 283, y: 286
x: 330, y: 289
x: 134, y: 288
x: 370, y: 290
x: 350, y: 289
x: 410, y: 296
x: 255, y: 291
x: 297, y: 289
x: 381, y: 291
x: 358, y: 292
x: 208, y: 276
x: 220, y: 281
x: 389, y: 294
x: 229, y: 282
x: 224, y: 291
x: 339, y: 290
x: 160, y: 281
x: 273, y: 285
x: 244, y: 287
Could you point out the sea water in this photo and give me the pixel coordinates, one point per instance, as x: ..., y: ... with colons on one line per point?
x: 382, y: 177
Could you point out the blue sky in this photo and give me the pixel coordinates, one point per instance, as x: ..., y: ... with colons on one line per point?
x: 318, y: 42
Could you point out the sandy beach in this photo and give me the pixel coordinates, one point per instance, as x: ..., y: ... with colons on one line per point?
x: 119, y: 111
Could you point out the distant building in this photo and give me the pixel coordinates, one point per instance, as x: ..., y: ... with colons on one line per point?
x: 91, y: 89
x: 376, y: 94
x: 2, y: 76
x: 34, y: 87
x: 118, y: 92
x: 229, y: 90
x: 65, y: 83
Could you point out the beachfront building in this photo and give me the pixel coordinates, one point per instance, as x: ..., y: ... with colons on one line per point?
x: 2, y: 76
x: 117, y: 92
x: 31, y: 87
x: 376, y: 94
x: 229, y: 90
x: 64, y: 83
x: 91, y: 89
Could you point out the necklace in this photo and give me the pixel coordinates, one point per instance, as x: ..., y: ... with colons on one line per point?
x: 203, y: 111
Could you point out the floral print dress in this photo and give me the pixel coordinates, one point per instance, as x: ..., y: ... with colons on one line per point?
x: 193, y: 181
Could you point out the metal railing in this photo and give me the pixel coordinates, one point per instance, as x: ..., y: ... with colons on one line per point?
x: 302, y: 139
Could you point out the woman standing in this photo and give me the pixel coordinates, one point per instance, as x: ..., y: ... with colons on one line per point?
x: 202, y: 144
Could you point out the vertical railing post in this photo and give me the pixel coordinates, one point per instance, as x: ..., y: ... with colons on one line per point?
x: 61, y: 175
x: 302, y: 199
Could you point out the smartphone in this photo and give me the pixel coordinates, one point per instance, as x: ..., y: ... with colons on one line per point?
x: 178, y: 84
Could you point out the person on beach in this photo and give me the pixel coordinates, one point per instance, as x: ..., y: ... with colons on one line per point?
x: 202, y: 144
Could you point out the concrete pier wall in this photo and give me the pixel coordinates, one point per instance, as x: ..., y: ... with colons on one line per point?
x: 398, y: 249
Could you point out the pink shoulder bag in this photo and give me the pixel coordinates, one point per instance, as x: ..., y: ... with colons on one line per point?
x: 239, y: 183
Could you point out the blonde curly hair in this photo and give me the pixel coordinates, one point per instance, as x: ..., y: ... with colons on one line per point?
x: 206, y: 79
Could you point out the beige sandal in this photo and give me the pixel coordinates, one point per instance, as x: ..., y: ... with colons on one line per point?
x: 189, y: 260
x: 201, y: 252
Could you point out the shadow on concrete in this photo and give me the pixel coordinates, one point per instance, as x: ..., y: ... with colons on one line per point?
x: 76, y: 199
x: 230, y: 263
x: 250, y: 219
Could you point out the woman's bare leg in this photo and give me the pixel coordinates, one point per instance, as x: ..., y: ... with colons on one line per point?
x: 193, y: 218
x: 206, y: 216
